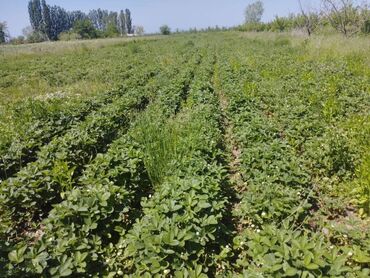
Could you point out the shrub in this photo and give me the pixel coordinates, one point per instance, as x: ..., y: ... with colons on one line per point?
x: 165, y: 30
x: 36, y: 37
x: 111, y: 31
x: 85, y: 29
x: 69, y: 36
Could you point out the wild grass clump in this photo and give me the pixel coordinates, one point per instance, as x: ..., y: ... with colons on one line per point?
x: 167, y: 142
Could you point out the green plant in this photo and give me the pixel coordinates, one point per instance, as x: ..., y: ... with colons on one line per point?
x: 218, y: 154
x: 285, y: 253
x: 85, y: 29
x: 165, y: 30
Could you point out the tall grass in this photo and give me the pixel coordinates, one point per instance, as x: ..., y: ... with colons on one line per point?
x: 318, y: 45
x: 167, y: 143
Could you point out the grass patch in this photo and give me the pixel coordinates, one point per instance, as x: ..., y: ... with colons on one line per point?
x: 167, y: 143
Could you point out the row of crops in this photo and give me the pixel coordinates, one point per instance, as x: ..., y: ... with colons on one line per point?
x: 217, y: 156
x: 288, y: 149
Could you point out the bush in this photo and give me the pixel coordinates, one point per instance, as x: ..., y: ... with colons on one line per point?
x: 165, y: 30
x: 36, y: 37
x: 250, y: 27
x: 85, y: 29
x: 280, y: 24
x: 69, y: 36
x: 18, y: 40
x: 111, y: 31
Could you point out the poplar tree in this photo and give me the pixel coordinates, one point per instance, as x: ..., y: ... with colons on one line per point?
x: 47, y: 24
x: 35, y: 12
x: 254, y: 12
x: 3, y: 32
x: 128, y: 21
x: 122, y: 23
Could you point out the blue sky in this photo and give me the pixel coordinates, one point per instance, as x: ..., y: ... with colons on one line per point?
x: 151, y: 14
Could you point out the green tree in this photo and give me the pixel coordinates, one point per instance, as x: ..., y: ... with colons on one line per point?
x: 165, y: 30
x: 3, y: 32
x: 254, y: 12
x: 85, y: 29
x: 122, y: 23
x: 111, y: 31
x: 35, y: 13
x: 47, y: 20
x: 128, y: 21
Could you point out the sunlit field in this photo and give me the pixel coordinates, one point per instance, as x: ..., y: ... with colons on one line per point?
x: 225, y: 154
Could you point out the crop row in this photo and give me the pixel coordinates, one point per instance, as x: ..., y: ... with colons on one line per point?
x: 275, y: 123
x: 181, y: 228
x: 48, y: 120
x: 80, y: 230
x: 33, y: 123
x: 61, y: 161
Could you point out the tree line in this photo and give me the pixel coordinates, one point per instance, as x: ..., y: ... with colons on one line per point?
x: 345, y: 16
x: 51, y: 21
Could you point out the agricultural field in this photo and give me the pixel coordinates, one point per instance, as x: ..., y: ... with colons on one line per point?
x: 220, y: 154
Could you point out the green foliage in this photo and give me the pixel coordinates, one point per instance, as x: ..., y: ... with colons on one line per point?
x: 69, y: 36
x: 249, y: 27
x: 290, y: 149
x: 53, y: 22
x: 218, y: 155
x: 3, y: 30
x: 182, y: 219
x: 165, y: 30
x: 85, y: 29
x: 111, y: 31
x: 285, y: 253
x: 36, y: 37
x: 280, y: 24
x: 269, y: 202
x: 342, y: 16
x: 128, y: 20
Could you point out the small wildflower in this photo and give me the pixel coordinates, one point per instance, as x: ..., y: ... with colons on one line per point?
x: 350, y: 254
x: 197, y: 233
x: 325, y: 231
x: 166, y: 271
x: 258, y: 230
x: 263, y: 214
x: 120, y: 272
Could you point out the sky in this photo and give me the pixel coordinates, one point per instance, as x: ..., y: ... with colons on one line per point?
x: 151, y: 14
